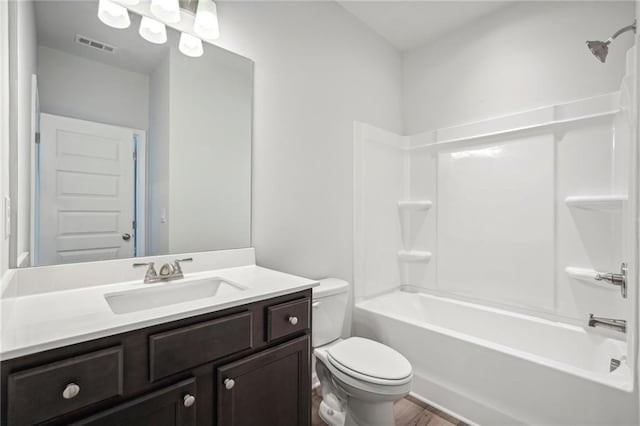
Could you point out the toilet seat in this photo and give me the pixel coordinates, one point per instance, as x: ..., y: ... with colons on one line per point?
x: 369, y: 361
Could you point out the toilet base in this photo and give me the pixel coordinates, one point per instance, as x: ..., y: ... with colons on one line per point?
x: 331, y: 416
x: 363, y: 413
x: 358, y: 413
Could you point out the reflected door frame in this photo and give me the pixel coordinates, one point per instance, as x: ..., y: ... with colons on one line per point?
x: 35, y: 156
x: 139, y: 189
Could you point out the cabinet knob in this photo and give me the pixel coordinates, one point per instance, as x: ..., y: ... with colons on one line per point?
x: 189, y: 400
x: 293, y: 320
x: 71, y: 391
x: 229, y: 383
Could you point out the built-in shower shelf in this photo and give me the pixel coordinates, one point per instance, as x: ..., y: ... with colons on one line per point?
x: 587, y: 276
x: 414, y: 256
x: 597, y: 202
x: 415, y: 205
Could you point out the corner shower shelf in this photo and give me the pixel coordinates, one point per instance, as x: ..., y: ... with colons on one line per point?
x: 587, y: 276
x: 415, y: 205
x: 597, y: 202
x: 414, y: 256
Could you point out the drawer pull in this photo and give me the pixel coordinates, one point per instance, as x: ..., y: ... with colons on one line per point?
x: 189, y: 400
x: 229, y: 383
x: 293, y: 320
x: 71, y: 391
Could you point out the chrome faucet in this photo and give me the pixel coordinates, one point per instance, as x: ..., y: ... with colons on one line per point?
x: 619, y: 280
x: 168, y: 271
x: 615, y: 324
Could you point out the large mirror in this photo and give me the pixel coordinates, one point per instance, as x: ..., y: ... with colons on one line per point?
x: 123, y: 147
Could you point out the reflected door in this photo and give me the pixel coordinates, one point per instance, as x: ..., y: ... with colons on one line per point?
x: 86, y: 204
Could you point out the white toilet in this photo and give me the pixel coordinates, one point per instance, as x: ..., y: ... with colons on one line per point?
x: 360, y: 379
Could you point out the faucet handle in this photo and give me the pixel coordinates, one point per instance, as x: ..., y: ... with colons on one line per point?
x: 151, y: 272
x: 149, y: 264
x: 176, y: 263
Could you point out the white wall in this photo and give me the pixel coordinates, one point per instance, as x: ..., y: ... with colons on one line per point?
x: 317, y: 70
x: 527, y: 55
x: 200, y: 152
x: 158, y: 155
x: 4, y: 127
x: 637, y: 134
x: 80, y: 88
x: 210, y: 151
x: 25, y: 67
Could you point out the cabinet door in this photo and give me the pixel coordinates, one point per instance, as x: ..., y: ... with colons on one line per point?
x: 271, y: 388
x: 170, y: 406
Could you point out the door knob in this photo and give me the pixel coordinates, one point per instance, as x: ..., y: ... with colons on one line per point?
x: 126, y: 237
x: 229, y: 383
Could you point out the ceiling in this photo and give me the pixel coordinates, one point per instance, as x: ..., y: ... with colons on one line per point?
x: 410, y: 24
x: 58, y: 22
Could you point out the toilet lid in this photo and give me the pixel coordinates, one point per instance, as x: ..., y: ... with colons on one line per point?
x: 369, y: 358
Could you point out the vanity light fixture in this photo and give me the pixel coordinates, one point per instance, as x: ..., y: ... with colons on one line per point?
x: 166, y: 10
x: 113, y: 15
x: 190, y: 45
x: 152, y: 30
x: 206, y: 22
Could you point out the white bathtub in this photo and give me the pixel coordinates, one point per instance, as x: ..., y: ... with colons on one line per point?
x: 494, y: 367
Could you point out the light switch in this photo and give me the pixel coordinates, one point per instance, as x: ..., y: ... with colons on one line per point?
x: 163, y: 215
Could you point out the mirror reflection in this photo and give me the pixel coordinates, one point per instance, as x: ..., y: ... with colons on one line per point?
x: 124, y: 147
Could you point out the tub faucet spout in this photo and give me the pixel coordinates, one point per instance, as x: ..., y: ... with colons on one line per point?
x: 616, y: 324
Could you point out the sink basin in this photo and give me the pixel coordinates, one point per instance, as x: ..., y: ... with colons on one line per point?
x: 169, y: 293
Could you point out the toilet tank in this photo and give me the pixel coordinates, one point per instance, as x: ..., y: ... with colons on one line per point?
x: 329, y: 310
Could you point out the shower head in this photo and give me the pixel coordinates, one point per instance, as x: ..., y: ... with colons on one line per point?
x: 600, y: 49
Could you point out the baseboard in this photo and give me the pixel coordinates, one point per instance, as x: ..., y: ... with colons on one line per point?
x: 432, y: 406
x: 450, y: 402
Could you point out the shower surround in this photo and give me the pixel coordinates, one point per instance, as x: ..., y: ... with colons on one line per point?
x: 476, y: 250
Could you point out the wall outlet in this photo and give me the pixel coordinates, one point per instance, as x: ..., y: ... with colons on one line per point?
x: 7, y: 217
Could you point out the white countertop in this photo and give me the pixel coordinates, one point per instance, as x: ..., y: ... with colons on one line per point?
x: 39, y: 322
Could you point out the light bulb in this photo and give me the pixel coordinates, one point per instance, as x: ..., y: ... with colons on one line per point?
x: 206, y: 22
x: 113, y: 14
x: 152, y: 30
x: 166, y: 10
x: 190, y: 45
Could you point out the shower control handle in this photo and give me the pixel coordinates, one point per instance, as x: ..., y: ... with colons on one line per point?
x: 619, y: 280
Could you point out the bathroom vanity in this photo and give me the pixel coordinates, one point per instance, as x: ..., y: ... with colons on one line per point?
x: 151, y: 165
x: 226, y: 359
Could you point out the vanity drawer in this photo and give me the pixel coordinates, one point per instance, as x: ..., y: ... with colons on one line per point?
x: 51, y: 390
x: 287, y: 318
x: 177, y: 350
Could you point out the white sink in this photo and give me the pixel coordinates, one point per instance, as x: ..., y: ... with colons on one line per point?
x: 169, y: 293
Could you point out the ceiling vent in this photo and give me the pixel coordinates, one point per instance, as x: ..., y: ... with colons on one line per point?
x: 86, y: 41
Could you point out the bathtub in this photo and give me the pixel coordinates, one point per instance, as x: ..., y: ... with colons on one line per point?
x: 493, y: 367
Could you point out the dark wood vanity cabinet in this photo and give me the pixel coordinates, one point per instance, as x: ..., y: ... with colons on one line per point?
x: 271, y: 386
x: 247, y: 365
x: 170, y: 406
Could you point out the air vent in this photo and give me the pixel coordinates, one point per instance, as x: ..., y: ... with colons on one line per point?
x: 86, y: 41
